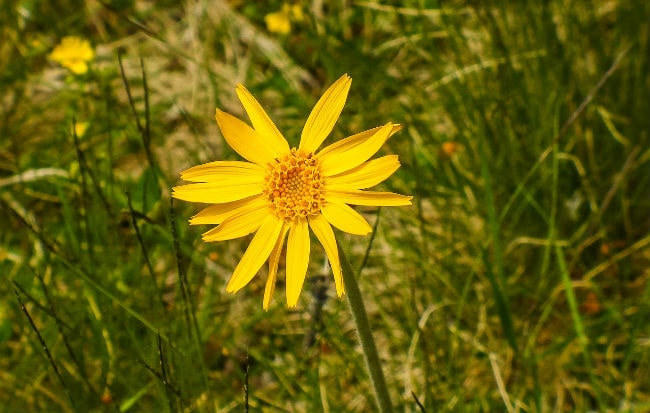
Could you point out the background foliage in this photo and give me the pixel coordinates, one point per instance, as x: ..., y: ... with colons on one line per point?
x: 518, y: 281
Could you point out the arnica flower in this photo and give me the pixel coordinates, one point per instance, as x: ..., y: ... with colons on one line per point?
x: 283, y: 190
x: 74, y: 54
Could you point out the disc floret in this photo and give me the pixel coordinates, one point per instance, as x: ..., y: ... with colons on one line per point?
x: 294, y: 185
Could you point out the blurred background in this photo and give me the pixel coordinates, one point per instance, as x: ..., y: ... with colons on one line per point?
x: 517, y: 281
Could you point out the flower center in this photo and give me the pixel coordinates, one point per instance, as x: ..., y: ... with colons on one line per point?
x: 294, y: 185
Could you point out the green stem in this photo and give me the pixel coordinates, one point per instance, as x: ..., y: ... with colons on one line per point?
x: 365, y: 335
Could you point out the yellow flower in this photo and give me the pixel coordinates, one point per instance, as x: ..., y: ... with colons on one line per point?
x: 73, y: 53
x: 80, y: 128
x: 280, y: 22
x: 295, y: 11
x: 290, y: 190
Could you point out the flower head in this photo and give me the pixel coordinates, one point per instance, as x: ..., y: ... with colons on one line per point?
x: 283, y: 190
x: 73, y: 53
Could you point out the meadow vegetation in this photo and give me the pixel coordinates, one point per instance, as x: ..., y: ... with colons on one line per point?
x: 517, y: 281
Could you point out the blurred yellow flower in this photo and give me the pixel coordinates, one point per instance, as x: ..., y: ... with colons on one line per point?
x: 295, y: 11
x: 280, y: 21
x: 283, y: 190
x: 80, y: 128
x: 74, y: 54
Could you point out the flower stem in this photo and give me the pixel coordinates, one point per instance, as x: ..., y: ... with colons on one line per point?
x: 365, y: 335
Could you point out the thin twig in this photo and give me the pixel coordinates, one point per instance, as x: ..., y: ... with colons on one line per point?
x: 43, y: 343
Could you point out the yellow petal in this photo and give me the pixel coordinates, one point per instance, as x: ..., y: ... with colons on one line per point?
x: 244, y: 140
x: 215, y: 214
x: 325, y: 114
x: 345, y: 218
x: 273, y: 268
x: 262, y: 123
x: 242, y: 223
x: 256, y: 253
x: 297, y: 259
x: 369, y: 198
x: 347, y: 156
x: 225, y: 171
x: 323, y: 231
x: 78, y: 67
x: 365, y: 175
x: 216, y: 193
x: 352, y: 141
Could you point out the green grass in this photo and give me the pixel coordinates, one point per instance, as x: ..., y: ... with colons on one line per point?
x: 517, y: 281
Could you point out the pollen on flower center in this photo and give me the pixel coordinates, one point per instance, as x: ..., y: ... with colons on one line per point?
x: 294, y: 185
